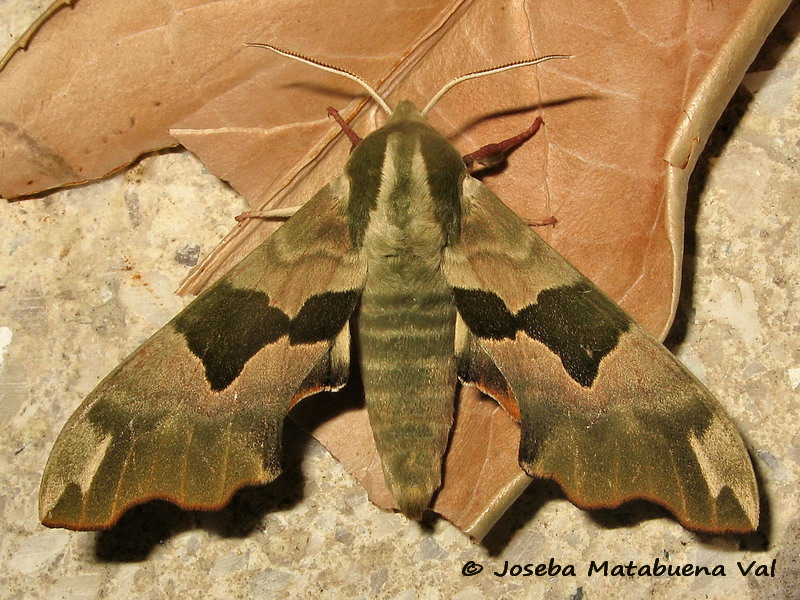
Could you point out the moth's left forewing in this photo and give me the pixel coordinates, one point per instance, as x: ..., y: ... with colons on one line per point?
x: 605, y: 409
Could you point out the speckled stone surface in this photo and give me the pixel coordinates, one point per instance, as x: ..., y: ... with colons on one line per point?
x: 87, y: 274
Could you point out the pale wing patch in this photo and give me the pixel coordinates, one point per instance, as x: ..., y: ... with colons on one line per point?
x: 499, y: 252
x: 461, y: 337
x: 721, y: 467
x: 89, y: 455
x: 86, y: 476
x: 314, y: 243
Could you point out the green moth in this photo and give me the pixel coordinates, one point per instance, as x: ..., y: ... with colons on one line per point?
x: 437, y: 282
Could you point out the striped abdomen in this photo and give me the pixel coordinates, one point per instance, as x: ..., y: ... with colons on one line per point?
x: 406, y: 336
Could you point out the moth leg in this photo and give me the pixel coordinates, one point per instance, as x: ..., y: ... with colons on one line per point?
x: 352, y: 135
x: 276, y: 213
x: 491, y: 155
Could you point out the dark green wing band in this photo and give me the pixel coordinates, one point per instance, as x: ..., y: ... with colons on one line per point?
x: 575, y: 322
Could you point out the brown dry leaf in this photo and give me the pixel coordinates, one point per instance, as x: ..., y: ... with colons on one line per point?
x: 625, y: 123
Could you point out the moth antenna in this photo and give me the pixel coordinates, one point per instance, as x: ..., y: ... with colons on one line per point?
x: 331, y: 69
x: 520, y: 63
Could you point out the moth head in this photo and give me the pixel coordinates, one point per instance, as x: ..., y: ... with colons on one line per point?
x: 436, y: 97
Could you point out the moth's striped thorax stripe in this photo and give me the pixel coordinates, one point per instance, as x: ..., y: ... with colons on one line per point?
x: 409, y: 167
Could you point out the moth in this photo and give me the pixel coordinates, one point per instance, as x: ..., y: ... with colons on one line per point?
x: 437, y: 282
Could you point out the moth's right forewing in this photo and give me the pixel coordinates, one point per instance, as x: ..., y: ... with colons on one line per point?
x: 196, y: 412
